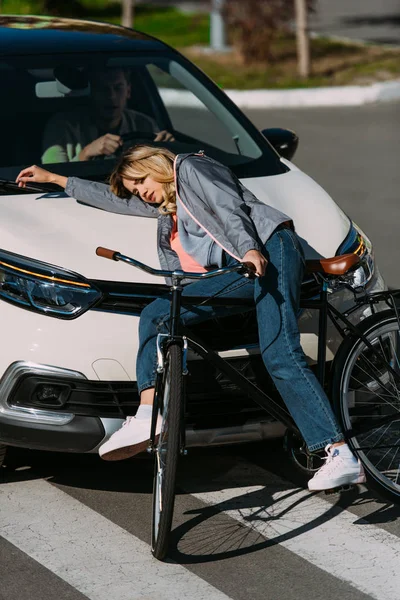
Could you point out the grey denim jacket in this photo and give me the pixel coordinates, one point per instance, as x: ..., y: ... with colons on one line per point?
x: 214, y: 209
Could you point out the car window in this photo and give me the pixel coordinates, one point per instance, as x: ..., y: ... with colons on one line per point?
x: 195, y: 112
x: 54, y: 107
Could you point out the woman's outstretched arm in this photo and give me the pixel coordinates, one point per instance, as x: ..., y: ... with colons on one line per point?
x: 39, y: 175
x: 93, y: 193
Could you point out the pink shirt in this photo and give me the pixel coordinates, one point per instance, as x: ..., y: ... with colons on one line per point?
x: 188, y: 263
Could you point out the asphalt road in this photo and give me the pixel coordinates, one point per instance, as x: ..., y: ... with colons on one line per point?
x: 366, y: 20
x: 353, y: 152
x: 74, y: 527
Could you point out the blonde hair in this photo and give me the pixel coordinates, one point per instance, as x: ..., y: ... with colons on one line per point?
x: 142, y: 161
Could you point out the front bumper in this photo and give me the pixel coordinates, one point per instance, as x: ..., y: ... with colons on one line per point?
x: 30, y: 426
x: 48, y: 408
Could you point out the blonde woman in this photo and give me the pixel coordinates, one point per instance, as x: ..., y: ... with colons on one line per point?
x: 207, y: 217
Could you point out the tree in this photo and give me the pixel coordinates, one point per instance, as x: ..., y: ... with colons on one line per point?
x: 255, y: 24
x: 127, y: 15
x: 302, y: 38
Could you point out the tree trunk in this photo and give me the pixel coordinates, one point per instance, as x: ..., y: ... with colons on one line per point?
x: 127, y: 13
x: 302, y: 36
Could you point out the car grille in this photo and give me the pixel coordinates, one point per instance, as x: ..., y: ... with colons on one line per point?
x: 223, y: 333
x: 131, y: 298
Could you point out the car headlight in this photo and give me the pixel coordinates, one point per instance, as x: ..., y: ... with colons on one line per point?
x: 44, y: 288
x: 358, y: 243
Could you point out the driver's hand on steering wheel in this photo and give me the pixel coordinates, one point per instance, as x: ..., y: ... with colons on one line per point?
x: 106, y: 145
x: 164, y: 136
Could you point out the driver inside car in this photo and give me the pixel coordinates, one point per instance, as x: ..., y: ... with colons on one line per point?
x: 97, y: 132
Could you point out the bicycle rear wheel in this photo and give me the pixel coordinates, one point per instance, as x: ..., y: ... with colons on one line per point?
x: 167, y: 451
x: 366, y: 397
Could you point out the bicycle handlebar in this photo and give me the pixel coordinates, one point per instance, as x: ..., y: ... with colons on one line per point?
x: 244, y: 268
x: 106, y: 253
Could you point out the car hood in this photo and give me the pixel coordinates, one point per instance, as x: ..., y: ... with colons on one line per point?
x: 56, y: 229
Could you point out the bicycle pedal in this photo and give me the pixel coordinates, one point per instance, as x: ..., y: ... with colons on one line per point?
x: 341, y: 488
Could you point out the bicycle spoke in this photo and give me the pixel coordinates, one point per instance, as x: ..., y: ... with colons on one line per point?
x: 394, y: 457
x: 389, y: 357
x: 383, y: 457
x: 393, y: 355
x: 363, y: 448
x: 381, y: 436
x: 378, y: 381
x: 354, y: 378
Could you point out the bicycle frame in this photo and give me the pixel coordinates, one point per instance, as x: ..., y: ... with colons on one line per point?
x: 326, y: 311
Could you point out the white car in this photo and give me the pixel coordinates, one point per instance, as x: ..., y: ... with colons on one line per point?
x: 69, y: 318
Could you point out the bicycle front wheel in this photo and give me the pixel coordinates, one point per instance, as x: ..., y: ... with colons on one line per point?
x: 167, y: 451
x: 366, y: 397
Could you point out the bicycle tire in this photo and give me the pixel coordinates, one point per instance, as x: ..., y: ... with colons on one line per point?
x: 364, y: 389
x: 167, y: 452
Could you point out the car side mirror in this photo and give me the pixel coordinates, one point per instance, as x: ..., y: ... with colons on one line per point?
x: 284, y: 141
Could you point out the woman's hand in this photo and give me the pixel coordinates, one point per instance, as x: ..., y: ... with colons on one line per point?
x: 257, y: 261
x: 36, y: 174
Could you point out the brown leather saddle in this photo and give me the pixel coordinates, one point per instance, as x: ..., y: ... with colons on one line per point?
x: 338, y: 265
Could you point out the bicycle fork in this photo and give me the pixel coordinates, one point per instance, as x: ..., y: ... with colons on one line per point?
x: 163, y: 339
x: 162, y: 344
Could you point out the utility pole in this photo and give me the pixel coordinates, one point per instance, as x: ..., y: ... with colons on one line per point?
x: 127, y: 13
x: 302, y: 37
x: 217, y: 26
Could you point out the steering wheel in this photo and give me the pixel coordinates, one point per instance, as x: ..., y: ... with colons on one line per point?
x: 145, y: 136
x: 133, y: 135
x: 137, y: 136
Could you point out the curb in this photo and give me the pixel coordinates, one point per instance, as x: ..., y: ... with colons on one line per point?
x: 352, y: 95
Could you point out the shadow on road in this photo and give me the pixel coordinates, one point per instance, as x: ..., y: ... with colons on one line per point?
x: 262, y: 521
x: 261, y: 510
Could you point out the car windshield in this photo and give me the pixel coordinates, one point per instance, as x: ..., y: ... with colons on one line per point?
x: 54, y: 107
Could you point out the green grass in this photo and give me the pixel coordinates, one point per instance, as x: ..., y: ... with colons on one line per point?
x: 175, y: 28
x: 168, y: 24
x: 333, y: 63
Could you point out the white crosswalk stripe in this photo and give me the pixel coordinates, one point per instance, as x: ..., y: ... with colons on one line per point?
x: 102, y: 561
x: 95, y: 556
x: 334, y: 540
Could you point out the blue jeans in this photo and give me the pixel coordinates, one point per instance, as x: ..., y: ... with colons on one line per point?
x: 276, y: 297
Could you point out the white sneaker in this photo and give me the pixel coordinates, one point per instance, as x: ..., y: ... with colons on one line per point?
x: 341, y: 468
x: 131, y: 439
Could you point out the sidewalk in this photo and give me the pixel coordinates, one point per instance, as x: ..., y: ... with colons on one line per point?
x: 352, y: 95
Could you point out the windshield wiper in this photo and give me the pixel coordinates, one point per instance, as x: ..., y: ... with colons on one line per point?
x: 236, y: 140
x: 31, y: 187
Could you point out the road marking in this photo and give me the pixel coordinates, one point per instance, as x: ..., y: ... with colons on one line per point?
x: 332, y: 539
x: 95, y: 556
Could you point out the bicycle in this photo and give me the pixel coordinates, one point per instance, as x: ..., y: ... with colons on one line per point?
x: 364, y: 390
